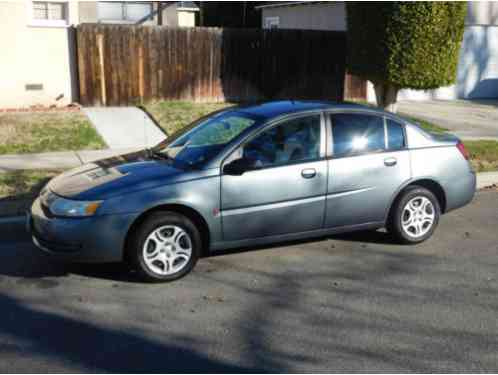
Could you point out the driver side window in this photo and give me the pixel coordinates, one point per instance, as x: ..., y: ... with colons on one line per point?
x: 292, y: 141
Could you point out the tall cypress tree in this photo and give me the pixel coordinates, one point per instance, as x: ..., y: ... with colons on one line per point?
x: 399, y: 45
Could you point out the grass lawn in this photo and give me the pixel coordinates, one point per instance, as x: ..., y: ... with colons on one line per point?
x: 24, y: 183
x: 174, y: 115
x: 426, y: 125
x: 23, y: 133
x: 483, y: 155
x: 18, y: 189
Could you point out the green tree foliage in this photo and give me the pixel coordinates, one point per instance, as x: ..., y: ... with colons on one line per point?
x: 405, y: 44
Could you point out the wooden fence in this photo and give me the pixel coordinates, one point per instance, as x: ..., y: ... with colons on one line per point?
x: 122, y: 65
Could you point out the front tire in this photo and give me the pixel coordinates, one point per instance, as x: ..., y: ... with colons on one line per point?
x: 165, y: 247
x: 415, y: 215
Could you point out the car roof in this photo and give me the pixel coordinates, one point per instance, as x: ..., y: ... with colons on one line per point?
x: 274, y: 109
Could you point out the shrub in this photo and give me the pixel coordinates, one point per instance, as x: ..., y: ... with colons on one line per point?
x: 405, y: 44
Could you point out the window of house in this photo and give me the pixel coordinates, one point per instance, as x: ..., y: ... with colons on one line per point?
x: 49, y: 13
x: 272, y: 22
x: 395, y: 135
x: 356, y: 134
x: 123, y: 12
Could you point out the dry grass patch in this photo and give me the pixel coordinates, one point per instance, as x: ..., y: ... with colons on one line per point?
x: 34, y: 132
x: 24, y: 183
x: 174, y: 115
x: 483, y: 155
x: 18, y: 189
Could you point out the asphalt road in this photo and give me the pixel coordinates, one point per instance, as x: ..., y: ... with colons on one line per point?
x: 352, y: 303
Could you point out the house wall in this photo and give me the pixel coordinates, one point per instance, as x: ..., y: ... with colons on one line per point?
x: 87, y: 11
x: 330, y: 16
x: 171, y: 17
x: 34, y: 55
x: 482, y: 13
x: 186, y: 18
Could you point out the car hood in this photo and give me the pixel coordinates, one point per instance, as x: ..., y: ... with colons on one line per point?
x: 115, y: 176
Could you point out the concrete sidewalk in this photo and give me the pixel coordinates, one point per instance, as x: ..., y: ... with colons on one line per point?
x: 125, y: 127
x: 57, y: 160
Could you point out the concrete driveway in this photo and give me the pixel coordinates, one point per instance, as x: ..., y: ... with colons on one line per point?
x: 466, y: 119
x: 352, y: 303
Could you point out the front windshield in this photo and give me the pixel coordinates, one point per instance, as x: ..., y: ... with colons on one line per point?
x: 204, y: 140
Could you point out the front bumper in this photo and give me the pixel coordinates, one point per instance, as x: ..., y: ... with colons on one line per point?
x: 94, y: 239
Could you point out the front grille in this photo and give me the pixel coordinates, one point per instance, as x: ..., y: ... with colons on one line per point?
x: 57, y: 247
x: 54, y: 246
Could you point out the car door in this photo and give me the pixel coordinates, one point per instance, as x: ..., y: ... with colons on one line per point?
x: 282, y: 189
x: 369, y: 162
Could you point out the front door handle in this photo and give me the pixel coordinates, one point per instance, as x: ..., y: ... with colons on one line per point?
x: 389, y: 162
x: 308, y: 173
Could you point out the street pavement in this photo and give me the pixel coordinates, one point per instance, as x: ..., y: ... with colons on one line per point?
x: 356, y: 302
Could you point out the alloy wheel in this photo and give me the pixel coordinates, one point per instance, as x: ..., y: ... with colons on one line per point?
x: 167, y: 250
x: 418, y: 216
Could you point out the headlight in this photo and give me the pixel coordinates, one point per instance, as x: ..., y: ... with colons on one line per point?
x: 66, y: 207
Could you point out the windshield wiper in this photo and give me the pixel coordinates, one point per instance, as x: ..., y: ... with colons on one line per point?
x: 153, y: 154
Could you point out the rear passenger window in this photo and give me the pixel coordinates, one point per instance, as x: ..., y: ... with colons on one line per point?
x: 395, y: 135
x: 356, y: 134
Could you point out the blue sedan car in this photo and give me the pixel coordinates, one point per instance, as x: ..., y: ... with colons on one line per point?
x: 253, y: 175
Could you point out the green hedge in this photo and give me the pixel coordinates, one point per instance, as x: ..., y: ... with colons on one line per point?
x: 408, y: 44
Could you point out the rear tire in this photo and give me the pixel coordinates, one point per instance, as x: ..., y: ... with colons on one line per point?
x: 415, y: 215
x: 165, y: 247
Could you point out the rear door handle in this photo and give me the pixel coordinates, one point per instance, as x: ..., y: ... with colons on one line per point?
x: 308, y: 173
x: 389, y: 162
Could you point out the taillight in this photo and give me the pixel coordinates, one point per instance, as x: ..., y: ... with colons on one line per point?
x: 462, y: 150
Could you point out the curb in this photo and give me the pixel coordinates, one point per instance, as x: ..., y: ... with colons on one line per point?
x: 486, y: 179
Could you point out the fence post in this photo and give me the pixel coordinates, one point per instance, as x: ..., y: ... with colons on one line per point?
x: 100, y: 46
x: 141, y: 73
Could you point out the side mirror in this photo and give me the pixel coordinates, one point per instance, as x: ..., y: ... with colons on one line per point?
x: 236, y: 167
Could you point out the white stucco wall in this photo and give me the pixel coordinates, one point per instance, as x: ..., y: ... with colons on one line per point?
x: 326, y: 16
x: 34, y: 55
